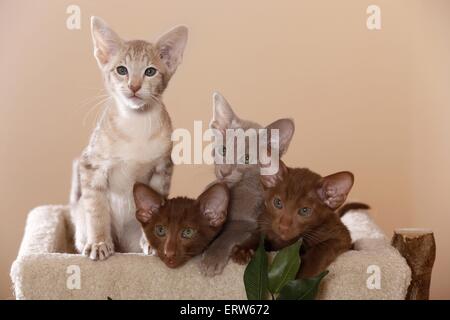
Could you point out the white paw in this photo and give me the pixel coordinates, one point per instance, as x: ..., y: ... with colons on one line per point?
x: 99, y: 250
x: 149, y: 251
x: 146, y: 248
x: 212, y: 264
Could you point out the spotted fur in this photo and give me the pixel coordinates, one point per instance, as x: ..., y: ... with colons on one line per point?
x: 131, y: 142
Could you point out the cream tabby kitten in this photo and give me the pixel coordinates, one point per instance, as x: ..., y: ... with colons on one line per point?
x: 131, y: 142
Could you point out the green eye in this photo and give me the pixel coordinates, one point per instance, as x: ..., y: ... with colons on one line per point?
x: 150, y: 72
x: 123, y: 71
x: 305, y: 211
x: 160, y: 231
x: 277, y: 203
x: 188, y: 233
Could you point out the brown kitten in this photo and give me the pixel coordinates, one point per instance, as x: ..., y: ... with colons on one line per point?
x: 301, y: 203
x: 181, y: 228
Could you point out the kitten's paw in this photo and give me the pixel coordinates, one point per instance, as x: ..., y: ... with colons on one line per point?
x: 212, y: 264
x: 242, y: 255
x: 99, y: 250
x: 148, y: 250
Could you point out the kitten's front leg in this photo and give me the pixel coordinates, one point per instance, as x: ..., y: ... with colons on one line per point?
x: 95, y: 207
x: 146, y: 247
x: 243, y: 253
x: 316, y: 259
x: 162, y: 176
x: 215, y: 258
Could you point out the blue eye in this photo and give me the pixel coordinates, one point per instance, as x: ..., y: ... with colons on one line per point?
x: 277, y: 203
x: 150, y: 72
x: 305, y: 211
x: 123, y: 71
x: 160, y: 231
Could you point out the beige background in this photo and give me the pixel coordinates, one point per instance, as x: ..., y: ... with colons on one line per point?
x: 373, y: 102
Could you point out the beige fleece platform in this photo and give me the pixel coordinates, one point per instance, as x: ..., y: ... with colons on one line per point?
x: 46, y: 269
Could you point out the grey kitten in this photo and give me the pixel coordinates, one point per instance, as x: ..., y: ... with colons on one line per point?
x: 243, y: 179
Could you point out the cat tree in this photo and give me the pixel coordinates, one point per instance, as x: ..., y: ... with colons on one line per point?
x: 47, y: 268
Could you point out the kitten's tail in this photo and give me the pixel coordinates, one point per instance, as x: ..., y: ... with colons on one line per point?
x: 75, y: 190
x: 352, y: 206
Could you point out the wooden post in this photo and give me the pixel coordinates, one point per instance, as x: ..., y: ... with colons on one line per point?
x: 418, y: 247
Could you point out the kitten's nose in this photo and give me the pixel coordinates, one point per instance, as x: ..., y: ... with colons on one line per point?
x: 135, y: 87
x: 169, y: 251
x: 285, y: 224
x: 284, y: 227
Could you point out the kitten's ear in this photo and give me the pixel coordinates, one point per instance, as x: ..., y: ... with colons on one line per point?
x: 333, y: 189
x: 223, y: 115
x: 214, y: 204
x: 148, y: 202
x: 171, y: 47
x: 106, y: 42
x: 270, y: 181
x: 286, y: 129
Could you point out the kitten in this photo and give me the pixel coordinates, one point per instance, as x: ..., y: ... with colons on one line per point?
x: 180, y: 228
x: 131, y: 142
x: 301, y: 203
x: 246, y: 193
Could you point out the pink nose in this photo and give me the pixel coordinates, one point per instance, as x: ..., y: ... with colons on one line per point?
x: 135, y: 87
x: 170, y: 254
x: 284, y: 228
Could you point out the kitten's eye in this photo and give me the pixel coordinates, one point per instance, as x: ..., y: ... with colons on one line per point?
x: 160, y: 231
x: 123, y: 71
x: 150, y: 72
x: 305, y: 211
x: 188, y: 233
x: 277, y: 203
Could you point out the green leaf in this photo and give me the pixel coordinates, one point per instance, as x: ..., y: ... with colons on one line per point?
x: 284, y: 267
x: 255, y: 275
x: 301, y: 289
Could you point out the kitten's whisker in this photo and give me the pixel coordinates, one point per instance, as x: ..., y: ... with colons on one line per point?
x: 155, y: 98
x: 311, y: 236
x: 89, y: 100
x: 103, y: 100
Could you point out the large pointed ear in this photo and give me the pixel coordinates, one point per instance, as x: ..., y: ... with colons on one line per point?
x: 214, y: 204
x: 106, y: 42
x: 286, y: 128
x: 148, y: 202
x: 223, y: 115
x: 333, y: 189
x: 270, y: 181
x: 171, y: 47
